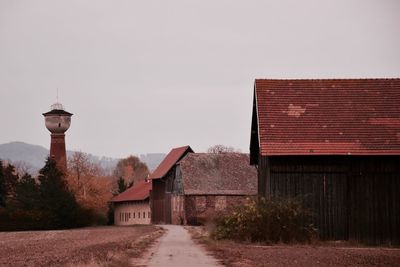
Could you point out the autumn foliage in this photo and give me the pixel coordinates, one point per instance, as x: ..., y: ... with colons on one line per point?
x: 91, y: 187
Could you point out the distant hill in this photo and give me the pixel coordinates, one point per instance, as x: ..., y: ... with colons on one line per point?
x: 33, y: 157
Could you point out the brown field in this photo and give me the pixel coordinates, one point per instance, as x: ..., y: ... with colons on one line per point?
x: 94, y: 246
x: 322, y: 254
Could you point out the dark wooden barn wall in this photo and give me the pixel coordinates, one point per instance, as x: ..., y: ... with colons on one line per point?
x: 161, y: 198
x: 157, y: 201
x: 356, y: 198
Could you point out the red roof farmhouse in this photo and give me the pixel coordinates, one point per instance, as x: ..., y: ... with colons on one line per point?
x: 335, y: 143
x: 132, y: 206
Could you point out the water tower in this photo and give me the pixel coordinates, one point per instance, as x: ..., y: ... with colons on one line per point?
x: 57, y: 122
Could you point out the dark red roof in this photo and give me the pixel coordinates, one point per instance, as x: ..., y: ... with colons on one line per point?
x: 139, y: 191
x: 169, y: 161
x: 328, y: 117
x: 218, y: 174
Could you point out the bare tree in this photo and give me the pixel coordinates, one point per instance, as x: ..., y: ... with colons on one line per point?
x: 91, y: 187
x: 218, y: 149
x: 22, y: 167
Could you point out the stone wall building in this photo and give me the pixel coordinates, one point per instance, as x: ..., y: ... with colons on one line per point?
x: 207, y: 184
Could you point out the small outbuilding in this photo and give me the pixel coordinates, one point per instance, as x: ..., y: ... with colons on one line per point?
x: 206, y: 184
x: 335, y: 144
x: 133, y: 205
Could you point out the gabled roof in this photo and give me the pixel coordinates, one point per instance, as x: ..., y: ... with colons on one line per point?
x: 218, y: 174
x: 139, y: 191
x: 169, y: 161
x: 326, y: 117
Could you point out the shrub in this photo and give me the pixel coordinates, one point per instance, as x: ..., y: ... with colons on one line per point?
x: 267, y: 220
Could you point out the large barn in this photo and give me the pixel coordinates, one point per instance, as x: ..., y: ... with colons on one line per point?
x: 162, y: 179
x: 133, y: 205
x: 206, y: 184
x: 335, y: 144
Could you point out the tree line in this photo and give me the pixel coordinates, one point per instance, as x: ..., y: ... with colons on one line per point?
x: 55, y: 199
x: 42, y: 203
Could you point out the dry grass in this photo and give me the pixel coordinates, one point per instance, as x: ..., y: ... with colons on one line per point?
x: 96, y: 246
x: 319, y: 254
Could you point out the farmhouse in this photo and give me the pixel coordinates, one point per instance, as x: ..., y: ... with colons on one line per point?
x: 208, y: 184
x: 162, y: 179
x: 336, y: 145
x: 132, y: 206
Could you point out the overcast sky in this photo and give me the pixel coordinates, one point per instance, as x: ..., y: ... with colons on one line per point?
x: 146, y: 76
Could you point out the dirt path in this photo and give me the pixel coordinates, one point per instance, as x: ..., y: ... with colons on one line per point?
x: 176, y: 248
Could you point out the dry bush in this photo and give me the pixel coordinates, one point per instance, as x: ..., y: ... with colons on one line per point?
x: 267, y: 220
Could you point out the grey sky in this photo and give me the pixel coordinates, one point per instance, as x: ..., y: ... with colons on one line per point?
x: 145, y: 76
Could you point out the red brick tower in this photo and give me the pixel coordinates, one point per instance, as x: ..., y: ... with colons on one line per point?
x: 57, y: 122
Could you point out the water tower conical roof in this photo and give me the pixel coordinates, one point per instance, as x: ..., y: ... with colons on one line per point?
x: 57, y: 108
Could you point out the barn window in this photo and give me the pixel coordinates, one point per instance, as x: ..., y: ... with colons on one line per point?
x: 144, y: 214
x: 134, y: 215
x: 138, y: 214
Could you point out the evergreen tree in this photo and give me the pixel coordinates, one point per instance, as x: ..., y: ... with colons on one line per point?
x: 122, y: 186
x: 27, y: 193
x: 8, y: 182
x: 56, y: 200
x: 2, y: 186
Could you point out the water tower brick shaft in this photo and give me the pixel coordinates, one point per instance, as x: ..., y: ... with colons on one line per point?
x: 57, y: 122
x: 57, y: 149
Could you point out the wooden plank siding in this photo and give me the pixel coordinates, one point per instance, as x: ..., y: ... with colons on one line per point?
x: 157, y: 201
x: 161, y: 198
x: 351, y: 198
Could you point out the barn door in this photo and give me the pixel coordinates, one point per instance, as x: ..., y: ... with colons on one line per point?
x: 167, y: 206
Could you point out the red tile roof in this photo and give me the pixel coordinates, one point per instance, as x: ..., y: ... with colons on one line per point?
x: 139, y: 191
x: 218, y: 174
x: 328, y: 117
x: 169, y: 161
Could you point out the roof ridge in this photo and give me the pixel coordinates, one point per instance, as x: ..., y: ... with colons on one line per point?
x: 326, y: 79
x: 169, y: 161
